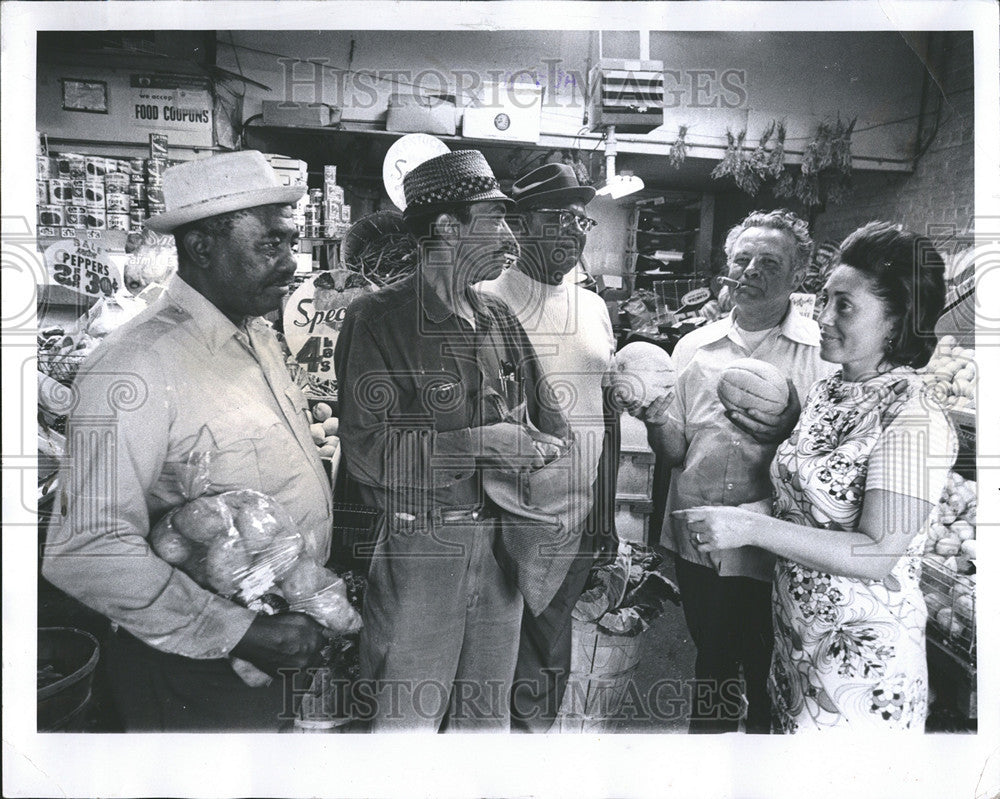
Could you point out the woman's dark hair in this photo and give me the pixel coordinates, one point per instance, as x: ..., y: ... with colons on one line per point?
x: 906, y: 272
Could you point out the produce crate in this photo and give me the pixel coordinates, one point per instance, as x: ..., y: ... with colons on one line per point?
x: 951, y: 611
x: 61, y: 368
x: 632, y: 519
x: 635, y: 474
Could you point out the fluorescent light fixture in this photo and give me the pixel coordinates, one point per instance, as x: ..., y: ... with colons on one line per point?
x: 618, y: 186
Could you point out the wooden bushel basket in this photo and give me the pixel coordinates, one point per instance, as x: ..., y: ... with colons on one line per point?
x: 601, y: 666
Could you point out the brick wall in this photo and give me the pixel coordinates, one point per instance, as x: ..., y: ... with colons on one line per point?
x: 940, y: 190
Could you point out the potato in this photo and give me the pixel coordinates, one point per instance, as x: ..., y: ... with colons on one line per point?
x: 321, y: 412
x: 203, y: 519
x: 331, y: 426
x: 227, y: 563
x: 963, y: 530
x: 318, y: 433
x: 950, y: 622
x: 306, y: 579
x: 948, y: 546
x: 169, y: 544
x: 935, y: 602
x: 965, y: 607
x: 281, y: 554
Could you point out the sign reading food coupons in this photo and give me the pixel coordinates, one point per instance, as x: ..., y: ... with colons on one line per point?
x: 312, y: 319
x: 82, y: 265
x: 169, y: 102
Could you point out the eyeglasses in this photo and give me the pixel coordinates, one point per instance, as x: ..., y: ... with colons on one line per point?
x: 570, y: 219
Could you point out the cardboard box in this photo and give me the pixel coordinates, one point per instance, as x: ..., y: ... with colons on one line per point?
x: 412, y: 113
x: 505, y: 111
x: 283, y: 113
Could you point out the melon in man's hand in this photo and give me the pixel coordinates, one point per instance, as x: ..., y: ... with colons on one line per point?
x: 750, y: 384
x: 641, y: 372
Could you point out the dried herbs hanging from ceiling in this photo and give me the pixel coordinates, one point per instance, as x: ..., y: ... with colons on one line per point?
x: 678, y: 150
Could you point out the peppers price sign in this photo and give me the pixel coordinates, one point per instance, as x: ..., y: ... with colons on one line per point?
x: 312, y: 319
x: 82, y: 265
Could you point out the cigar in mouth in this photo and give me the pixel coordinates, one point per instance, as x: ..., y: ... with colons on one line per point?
x: 728, y: 281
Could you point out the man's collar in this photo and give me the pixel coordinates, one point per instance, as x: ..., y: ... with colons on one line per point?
x: 215, y: 327
x: 434, y: 307
x: 793, y: 326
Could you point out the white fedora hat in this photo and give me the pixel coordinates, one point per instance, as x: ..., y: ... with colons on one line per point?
x: 217, y: 185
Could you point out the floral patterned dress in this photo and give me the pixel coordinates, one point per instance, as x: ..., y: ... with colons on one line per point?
x: 850, y: 652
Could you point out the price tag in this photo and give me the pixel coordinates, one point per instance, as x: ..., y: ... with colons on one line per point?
x: 82, y: 265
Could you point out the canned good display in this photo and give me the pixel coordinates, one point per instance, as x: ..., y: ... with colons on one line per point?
x: 94, y: 194
x: 118, y: 221
x: 75, y: 216
x: 96, y: 219
x: 50, y: 215
x: 96, y: 166
x: 60, y: 191
x: 117, y: 202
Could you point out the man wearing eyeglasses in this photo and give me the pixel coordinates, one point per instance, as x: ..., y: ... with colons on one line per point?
x: 570, y: 330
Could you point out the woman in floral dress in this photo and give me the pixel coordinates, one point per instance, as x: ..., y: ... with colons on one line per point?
x: 854, y: 487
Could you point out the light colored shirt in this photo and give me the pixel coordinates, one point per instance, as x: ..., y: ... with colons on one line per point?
x: 179, y: 377
x: 723, y: 465
x: 570, y: 331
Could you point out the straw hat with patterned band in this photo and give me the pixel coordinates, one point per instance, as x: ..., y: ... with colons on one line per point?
x: 550, y: 184
x: 458, y: 177
x: 211, y: 186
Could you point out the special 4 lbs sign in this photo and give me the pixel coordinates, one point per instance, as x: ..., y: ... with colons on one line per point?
x: 82, y: 266
x: 312, y: 319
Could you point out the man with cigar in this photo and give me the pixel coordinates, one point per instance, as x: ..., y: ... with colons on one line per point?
x: 197, y: 372
x: 570, y: 330
x: 721, y: 457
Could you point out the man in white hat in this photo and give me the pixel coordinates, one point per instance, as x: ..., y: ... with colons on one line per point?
x: 570, y: 330
x: 437, y: 385
x: 197, y: 372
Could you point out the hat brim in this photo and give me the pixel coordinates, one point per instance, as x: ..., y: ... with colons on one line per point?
x: 273, y: 195
x: 426, y: 209
x: 575, y: 194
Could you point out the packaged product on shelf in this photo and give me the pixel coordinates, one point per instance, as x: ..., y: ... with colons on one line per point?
x: 75, y: 216
x: 44, y: 168
x: 158, y: 145
x: 117, y: 202
x: 95, y: 166
x: 60, y: 191
x: 116, y: 182
x: 117, y: 221
x: 96, y: 219
x: 71, y: 165
x: 50, y: 215
x: 93, y: 194
x: 78, y: 191
x: 41, y: 192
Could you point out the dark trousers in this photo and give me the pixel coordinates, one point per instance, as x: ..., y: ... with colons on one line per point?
x: 544, y: 652
x: 155, y: 691
x: 730, y: 622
